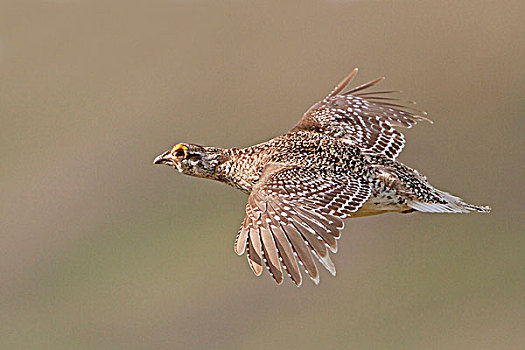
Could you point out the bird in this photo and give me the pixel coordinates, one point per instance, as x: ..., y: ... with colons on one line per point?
x: 338, y: 162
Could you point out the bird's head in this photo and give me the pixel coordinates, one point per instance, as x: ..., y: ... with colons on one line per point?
x: 192, y: 159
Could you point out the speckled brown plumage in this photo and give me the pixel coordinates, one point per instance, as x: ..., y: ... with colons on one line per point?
x: 338, y: 161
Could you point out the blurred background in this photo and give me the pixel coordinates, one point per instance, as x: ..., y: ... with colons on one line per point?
x: 100, y: 249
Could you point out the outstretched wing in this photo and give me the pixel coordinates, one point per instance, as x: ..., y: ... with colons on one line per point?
x: 293, y: 215
x: 365, y: 119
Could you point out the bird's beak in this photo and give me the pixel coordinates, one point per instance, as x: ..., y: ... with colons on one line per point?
x: 163, y: 159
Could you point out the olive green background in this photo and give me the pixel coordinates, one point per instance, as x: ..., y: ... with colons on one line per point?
x: 100, y: 249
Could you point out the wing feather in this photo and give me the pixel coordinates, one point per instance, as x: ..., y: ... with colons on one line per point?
x: 302, y: 251
x: 271, y: 254
x: 364, y: 119
x: 294, y: 217
x: 287, y: 255
x: 242, y: 237
x: 255, y: 251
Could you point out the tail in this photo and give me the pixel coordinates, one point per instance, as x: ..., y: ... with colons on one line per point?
x: 453, y: 205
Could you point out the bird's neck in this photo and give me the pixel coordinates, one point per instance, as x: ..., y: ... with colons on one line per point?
x: 239, y: 168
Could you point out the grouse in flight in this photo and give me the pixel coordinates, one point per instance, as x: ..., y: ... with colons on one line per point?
x: 339, y: 161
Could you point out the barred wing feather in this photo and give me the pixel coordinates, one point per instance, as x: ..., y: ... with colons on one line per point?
x: 293, y: 218
x: 364, y: 119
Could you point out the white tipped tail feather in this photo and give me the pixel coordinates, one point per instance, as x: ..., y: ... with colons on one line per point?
x: 454, y: 205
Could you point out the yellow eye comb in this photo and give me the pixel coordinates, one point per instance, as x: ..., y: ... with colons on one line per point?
x: 180, y: 146
x: 176, y: 151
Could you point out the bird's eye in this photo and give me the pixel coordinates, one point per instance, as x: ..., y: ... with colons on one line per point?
x: 180, y: 151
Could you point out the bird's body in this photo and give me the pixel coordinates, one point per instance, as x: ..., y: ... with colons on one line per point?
x: 317, y: 152
x: 339, y: 161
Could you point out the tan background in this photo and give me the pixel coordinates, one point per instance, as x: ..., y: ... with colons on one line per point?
x: 99, y: 249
